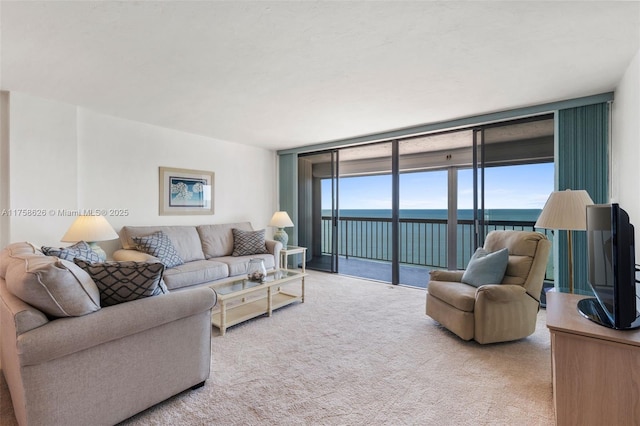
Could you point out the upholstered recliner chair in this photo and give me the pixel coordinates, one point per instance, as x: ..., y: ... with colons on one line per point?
x: 493, y: 312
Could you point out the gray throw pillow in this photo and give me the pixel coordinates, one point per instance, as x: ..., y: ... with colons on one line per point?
x: 80, y: 250
x: 248, y: 242
x: 120, y: 282
x: 486, y: 268
x: 159, y: 245
x: 55, y: 286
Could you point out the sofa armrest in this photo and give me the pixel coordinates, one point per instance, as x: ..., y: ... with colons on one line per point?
x: 439, y: 275
x: 16, y: 315
x: 69, y: 335
x: 122, y: 255
x: 274, y: 248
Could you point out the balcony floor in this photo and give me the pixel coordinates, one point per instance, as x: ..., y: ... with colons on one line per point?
x: 415, y: 276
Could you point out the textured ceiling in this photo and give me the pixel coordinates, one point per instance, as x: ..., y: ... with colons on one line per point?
x: 287, y: 74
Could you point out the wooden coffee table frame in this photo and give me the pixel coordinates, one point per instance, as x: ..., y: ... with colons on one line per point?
x: 248, y: 299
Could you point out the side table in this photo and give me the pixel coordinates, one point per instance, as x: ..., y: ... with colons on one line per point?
x: 286, y: 252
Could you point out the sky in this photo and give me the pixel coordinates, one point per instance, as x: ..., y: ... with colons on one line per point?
x: 507, y: 187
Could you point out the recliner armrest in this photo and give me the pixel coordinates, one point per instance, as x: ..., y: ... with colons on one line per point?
x: 500, y: 292
x: 453, y: 276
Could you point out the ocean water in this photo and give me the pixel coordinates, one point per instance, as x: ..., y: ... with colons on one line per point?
x: 463, y: 214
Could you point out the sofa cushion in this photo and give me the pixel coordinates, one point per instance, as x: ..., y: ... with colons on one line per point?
x: 121, y: 282
x: 185, y: 239
x: 159, y: 245
x: 55, y: 286
x: 459, y: 295
x: 486, y: 268
x: 80, y: 250
x: 217, y: 240
x: 518, y: 269
x: 196, y: 272
x: 238, y: 264
x: 248, y: 242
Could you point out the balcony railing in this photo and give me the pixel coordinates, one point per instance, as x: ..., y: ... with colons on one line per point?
x: 423, y: 242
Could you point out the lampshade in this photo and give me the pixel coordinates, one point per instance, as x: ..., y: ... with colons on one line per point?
x: 281, y: 220
x: 89, y: 229
x: 565, y: 210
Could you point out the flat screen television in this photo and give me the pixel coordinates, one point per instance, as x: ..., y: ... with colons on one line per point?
x: 611, y: 262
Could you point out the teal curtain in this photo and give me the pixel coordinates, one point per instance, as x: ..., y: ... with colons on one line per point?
x: 582, y: 162
x: 288, y: 189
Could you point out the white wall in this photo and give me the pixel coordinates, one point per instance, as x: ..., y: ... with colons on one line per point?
x: 625, y: 146
x: 42, y: 172
x: 67, y: 157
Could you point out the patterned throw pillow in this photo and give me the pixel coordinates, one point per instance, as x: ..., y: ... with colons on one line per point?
x: 80, y: 250
x: 248, y: 242
x: 159, y: 245
x: 120, y: 282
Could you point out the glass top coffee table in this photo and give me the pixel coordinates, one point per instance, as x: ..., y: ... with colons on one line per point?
x: 242, y: 299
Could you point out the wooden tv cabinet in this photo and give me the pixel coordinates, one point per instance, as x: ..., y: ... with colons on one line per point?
x: 596, y: 370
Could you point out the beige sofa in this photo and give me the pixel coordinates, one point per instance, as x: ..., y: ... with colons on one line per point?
x: 70, y: 361
x: 499, y: 311
x: 205, y: 249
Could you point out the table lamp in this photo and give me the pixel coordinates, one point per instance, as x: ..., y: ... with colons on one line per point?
x: 90, y: 229
x: 566, y: 210
x: 281, y: 220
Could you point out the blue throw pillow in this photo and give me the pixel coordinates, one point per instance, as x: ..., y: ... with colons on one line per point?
x: 486, y: 268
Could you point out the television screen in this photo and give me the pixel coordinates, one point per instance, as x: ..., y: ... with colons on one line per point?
x: 611, y: 251
x: 600, y: 250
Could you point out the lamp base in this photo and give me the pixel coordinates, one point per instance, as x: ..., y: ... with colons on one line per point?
x: 98, y: 250
x: 281, y: 236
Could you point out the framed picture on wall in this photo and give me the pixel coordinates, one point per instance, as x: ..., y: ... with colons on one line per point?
x: 184, y: 191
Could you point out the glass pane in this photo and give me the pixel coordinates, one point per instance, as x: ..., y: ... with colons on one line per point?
x: 427, y: 164
x: 243, y: 283
x: 423, y: 225
x: 515, y: 196
x: 364, y: 217
x: 314, y: 209
x: 466, y: 236
x: 518, y: 175
x: 516, y: 193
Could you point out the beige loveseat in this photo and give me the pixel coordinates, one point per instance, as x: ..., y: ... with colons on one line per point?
x: 498, y: 311
x: 207, y: 252
x: 69, y: 361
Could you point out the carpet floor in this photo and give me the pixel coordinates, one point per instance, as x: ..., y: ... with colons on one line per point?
x: 359, y: 353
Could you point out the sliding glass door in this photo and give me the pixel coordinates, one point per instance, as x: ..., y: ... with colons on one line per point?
x: 318, y: 209
x: 365, y: 225
x: 428, y: 168
x: 394, y: 210
x: 516, y: 174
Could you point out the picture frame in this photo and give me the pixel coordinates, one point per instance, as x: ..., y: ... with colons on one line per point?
x: 186, y: 192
